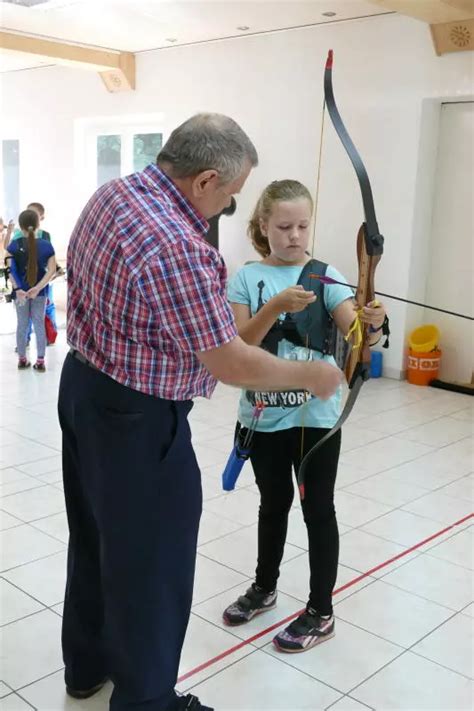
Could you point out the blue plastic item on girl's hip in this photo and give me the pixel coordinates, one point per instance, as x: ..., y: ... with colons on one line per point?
x: 234, y: 466
x: 376, y: 359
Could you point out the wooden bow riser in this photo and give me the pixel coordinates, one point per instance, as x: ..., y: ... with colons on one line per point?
x: 365, y: 294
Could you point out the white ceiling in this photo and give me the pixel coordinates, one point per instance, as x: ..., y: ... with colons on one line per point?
x: 141, y: 25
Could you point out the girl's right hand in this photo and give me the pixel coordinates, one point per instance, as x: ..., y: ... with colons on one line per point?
x: 293, y: 300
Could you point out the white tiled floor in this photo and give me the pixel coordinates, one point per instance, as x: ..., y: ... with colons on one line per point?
x: 404, y: 633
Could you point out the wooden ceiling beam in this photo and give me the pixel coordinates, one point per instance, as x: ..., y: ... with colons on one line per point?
x: 431, y: 11
x: 453, y: 36
x: 117, y: 69
x: 464, y: 6
x: 451, y: 21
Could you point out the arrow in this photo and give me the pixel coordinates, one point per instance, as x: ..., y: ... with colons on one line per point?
x: 329, y: 280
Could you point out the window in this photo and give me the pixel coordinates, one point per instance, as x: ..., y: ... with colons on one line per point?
x: 109, y: 150
x: 10, y: 179
x: 146, y: 147
x: 119, y: 154
x: 109, y: 147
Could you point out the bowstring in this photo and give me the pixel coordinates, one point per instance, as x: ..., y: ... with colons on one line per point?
x: 313, y: 243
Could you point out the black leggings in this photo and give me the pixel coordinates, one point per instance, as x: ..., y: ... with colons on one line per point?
x: 273, y: 456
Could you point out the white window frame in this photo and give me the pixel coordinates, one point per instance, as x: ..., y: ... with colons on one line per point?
x: 6, y: 217
x: 86, y: 132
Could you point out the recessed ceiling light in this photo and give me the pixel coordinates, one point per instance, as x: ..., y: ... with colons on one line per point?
x: 25, y: 3
x: 171, y: 39
x: 329, y: 14
x: 243, y: 28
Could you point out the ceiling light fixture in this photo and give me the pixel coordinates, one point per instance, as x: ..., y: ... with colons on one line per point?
x: 329, y: 14
x: 243, y: 28
x: 172, y: 40
x: 43, y: 5
x: 25, y: 3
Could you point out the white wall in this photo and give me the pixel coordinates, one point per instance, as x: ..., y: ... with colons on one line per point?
x: 450, y: 281
x: 385, y: 73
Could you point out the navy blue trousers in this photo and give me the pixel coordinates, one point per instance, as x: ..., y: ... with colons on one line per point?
x: 133, y: 497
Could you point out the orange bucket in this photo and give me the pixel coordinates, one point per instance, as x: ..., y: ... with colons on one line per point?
x: 423, y: 367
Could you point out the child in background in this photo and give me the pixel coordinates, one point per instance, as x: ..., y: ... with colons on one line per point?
x: 5, y: 233
x: 32, y: 265
x: 42, y: 234
x: 264, y: 295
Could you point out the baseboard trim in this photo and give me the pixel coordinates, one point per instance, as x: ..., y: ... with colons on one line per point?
x: 394, y: 373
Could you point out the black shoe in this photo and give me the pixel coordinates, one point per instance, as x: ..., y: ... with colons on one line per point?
x: 254, y: 602
x: 191, y: 703
x: 85, y: 693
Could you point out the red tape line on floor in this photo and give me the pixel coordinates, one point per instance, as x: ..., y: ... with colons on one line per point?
x: 281, y: 623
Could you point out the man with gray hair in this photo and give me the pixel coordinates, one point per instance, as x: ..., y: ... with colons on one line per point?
x: 150, y: 329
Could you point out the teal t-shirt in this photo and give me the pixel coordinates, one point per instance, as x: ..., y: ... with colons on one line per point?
x: 18, y: 234
x: 256, y: 284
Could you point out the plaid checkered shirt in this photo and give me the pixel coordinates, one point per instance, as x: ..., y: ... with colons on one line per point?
x: 145, y: 289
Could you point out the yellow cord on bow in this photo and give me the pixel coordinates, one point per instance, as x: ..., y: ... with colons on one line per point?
x: 356, y: 333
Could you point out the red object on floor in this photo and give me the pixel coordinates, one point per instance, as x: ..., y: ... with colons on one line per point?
x: 51, y: 333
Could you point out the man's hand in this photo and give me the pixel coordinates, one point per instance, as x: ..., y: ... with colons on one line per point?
x: 323, y: 379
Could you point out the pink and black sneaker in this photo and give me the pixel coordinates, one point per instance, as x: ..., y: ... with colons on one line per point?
x: 254, y: 602
x: 308, y: 630
x: 39, y: 365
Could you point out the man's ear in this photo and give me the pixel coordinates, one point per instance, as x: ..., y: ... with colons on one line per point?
x: 203, y: 181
